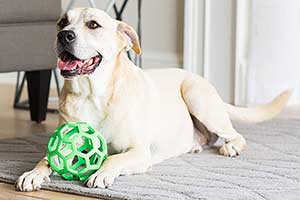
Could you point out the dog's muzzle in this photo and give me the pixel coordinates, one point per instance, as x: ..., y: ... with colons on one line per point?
x: 71, y: 66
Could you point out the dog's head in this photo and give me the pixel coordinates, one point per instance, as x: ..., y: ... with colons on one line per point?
x: 88, y: 37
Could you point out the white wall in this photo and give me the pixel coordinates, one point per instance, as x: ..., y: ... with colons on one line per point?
x: 274, y: 50
x: 250, y: 49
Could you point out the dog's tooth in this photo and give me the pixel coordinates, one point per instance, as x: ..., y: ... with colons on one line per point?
x: 91, y: 67
x: 97, y: 59
x: 91, y: 61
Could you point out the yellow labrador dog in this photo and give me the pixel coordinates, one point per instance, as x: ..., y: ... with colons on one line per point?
x: 146, y: 116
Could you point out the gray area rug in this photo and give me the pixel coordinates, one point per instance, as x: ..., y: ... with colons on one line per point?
x: 268, y: 169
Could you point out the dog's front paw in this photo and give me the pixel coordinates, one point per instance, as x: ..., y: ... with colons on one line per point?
x: 101, y: 179
x: 31, y: 180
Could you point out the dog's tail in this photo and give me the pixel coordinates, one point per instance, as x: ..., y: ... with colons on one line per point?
x: 261, y: 112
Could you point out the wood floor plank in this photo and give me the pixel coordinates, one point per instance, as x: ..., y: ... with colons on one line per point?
x: 8, y: 190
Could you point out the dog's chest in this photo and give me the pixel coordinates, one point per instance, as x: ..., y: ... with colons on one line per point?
x: 91, y: 110
x: 117, y: 132
x: 79, y: 108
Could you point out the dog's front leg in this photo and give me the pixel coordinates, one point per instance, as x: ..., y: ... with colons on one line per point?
x: 33, y: 179
x: 131, y: 162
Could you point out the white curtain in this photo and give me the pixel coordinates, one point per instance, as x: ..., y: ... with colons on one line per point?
x: 274, y: 50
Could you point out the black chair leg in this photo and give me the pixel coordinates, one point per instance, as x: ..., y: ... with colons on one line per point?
x: 38, y: 84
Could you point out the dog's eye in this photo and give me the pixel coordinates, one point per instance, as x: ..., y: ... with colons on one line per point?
x: 63, y: 22
x: 93, y: 25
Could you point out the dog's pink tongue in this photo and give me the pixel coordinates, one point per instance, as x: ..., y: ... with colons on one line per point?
x: 69, y: 64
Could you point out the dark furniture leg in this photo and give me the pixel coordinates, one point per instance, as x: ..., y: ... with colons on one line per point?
x: 24, y: 105
x: 38, y: 84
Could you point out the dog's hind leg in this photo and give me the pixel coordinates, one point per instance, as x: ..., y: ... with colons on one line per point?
x: 205, y: 105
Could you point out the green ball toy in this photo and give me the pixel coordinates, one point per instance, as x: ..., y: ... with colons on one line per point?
x: 75, y: 151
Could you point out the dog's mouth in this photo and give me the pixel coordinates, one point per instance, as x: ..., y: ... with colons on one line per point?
x: 71, y: 66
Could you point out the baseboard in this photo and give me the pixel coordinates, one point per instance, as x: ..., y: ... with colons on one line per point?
x: 154, y: 59
x: 11, y: 79
x: 8, y: 78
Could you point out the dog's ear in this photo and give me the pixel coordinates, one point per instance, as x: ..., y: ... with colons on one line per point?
x: 130, y: 36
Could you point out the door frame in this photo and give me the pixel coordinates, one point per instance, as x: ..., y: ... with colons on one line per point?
x: 194, y: 20
x: 243, y: 20
x: 209, y: 43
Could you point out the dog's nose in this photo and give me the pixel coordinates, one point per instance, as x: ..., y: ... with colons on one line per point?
x: 66, y: 37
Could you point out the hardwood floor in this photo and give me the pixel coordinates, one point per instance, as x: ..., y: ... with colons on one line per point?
x: 7, y: 191
x: 16, y: 123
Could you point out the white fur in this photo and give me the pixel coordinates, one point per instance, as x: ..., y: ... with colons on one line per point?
x: 143, y: 114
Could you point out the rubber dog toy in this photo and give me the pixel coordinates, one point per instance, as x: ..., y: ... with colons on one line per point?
x: 75, y: 150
